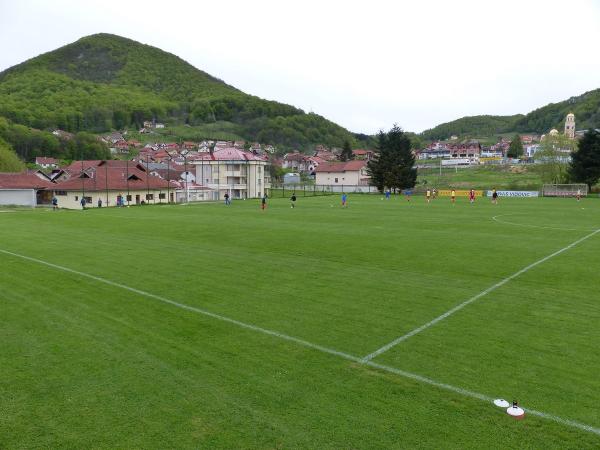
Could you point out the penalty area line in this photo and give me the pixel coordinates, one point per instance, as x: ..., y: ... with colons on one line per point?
x: 302, y: 342
x: 506, y: 222
x: 476, y: 297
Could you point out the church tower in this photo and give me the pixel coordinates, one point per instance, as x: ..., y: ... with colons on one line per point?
x: 570, y: 126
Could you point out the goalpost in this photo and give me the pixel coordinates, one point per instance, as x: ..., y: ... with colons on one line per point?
x: 564, y: 190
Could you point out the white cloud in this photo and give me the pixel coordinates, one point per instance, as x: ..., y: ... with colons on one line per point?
x: 362, y: 64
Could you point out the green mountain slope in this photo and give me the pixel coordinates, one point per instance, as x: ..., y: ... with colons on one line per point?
x: 9, y: 161
x: 103, y: 82
x: 472, y: 126
x: 586, y: 108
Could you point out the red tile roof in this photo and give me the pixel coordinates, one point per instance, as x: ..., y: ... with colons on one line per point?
x: 24, y: 180
x: 326, y: 155
x: 76, y: 166
x: 109, y: 177
x: 229, y: 154
x: 295, y: 156
x: 44, y: 160
x: 172, y: 174
x: 341, y: 166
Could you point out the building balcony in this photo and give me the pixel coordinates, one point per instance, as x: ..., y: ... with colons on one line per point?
x: 235, y: 173
x: 224, y: 186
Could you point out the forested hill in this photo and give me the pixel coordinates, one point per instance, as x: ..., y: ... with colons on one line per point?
x: 103, y: 82
x: 472, y: 126
x: 586, y: 108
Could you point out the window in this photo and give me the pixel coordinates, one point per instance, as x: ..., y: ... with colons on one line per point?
x: 259, y: 181
x: 129, y: 198
x: 149, y: 196
x: 76, y: 198
x: 88, y: 199
x: 336, y: 180
x: 162, y: 196
x: 61, y: 192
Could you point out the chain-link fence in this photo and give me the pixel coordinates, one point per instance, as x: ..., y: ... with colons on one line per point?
x: 313, y: 190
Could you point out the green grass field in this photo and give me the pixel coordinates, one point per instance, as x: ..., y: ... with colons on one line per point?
x: 502, y: 177
x: 206, y: 326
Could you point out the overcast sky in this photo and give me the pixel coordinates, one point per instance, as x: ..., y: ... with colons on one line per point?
x: 364, y: 65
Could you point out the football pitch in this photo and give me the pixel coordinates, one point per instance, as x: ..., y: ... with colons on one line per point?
x: 386, y: 324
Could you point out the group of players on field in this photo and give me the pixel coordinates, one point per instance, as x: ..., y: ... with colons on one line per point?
x: 430, y: 194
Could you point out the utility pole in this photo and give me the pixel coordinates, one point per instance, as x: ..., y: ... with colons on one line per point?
x: 187, y: 196
x: 127, y: 179
x: 106, y: 180
x: 82, y: 180
x: 147, y: 177
x: 168, y: 179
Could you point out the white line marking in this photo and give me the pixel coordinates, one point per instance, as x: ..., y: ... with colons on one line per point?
x: 448, y: 313
x: 479, y: 396
x: 496, y: 219
x: 186, y: 307
x: 346, y: 356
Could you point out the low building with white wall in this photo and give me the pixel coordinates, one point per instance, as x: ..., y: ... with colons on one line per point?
x: 352, y: 173
x: 30, y: 188
x: 109, y: 180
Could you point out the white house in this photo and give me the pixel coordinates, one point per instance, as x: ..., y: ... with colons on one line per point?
x: 352, y: 173
x: 46, y: 163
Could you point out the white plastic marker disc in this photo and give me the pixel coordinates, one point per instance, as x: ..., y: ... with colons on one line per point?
x: 501, y: 403
x: 515, y: 411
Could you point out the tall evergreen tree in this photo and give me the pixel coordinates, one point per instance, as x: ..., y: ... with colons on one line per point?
x: 515, y: 150
x: 346, y: 154
x: 393, y: 168
x: 585, y: 163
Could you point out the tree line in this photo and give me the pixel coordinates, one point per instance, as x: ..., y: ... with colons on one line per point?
x: 29, y: 143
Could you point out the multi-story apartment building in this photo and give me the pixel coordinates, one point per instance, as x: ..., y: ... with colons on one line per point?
x: 230, y: 170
